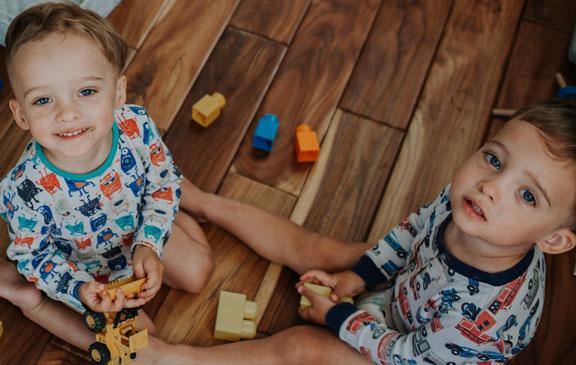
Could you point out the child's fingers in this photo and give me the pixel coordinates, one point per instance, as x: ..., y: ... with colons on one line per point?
x: 318, y: 277
x: 133, y: 303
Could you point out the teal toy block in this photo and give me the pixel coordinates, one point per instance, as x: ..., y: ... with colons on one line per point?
x: 265, y: 133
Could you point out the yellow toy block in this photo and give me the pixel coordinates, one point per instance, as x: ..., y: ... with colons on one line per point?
x: 307, y: 147
x: 323, y: 291
x: 235, y: 317
x: 207, y: 109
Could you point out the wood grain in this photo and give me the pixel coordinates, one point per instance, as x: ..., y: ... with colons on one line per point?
x: 133, y: 19
x: 395, y: 60
x: 171, y: 56
x: 54, y: 355
x: 452, y: 114
x: 308, y: 86
x: 277, y: 20
x: 205, y: 154
x: 190, y: 318
x: 560, y: 14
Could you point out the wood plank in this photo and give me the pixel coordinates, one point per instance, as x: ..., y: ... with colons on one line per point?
x: 308, y: 86
x: 54, y: 355
x: 395, y: 60
x: 559, y: 14
x: 244, y: 83
x: 171, y: 56
x: 538, y: 53
x: 133, y: 19
x: 188, y: 318
x: 340, y: 197
x: 23, y: 341
x: 452, y: 114
x: 277, y: 20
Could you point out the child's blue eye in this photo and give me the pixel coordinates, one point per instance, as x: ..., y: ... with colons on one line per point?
x: 41, y: 101
x: 87, y: 92
x: 528, y: 197
x: 492, y: 160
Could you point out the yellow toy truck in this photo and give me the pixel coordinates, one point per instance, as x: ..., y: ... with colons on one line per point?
x: 117, y: 338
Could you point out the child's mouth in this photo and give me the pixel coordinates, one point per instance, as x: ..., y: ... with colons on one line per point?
x: 72, y: 134
x: 473, y: 209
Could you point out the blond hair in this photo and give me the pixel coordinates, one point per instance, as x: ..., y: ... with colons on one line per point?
x: 42, y: 20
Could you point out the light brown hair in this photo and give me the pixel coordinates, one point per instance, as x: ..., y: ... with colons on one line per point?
x: 42, y: 20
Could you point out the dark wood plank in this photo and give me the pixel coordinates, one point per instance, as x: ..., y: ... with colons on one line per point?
x: 188, y: 318
x: 23, y: 341
x: 340, y: 197
x: 244, y: 83
x: 277, y: 20
x: 54, y: 355
x: 308, y: 86
x: 560, y: 14
x: 452, y: 114
x: 393, y: 66
x: 171, y: 56
x: 539, y: 52
x: 133, y: 19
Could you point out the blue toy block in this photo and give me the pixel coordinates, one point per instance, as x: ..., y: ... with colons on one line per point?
x: 566, y: 92
x: 265, y: 133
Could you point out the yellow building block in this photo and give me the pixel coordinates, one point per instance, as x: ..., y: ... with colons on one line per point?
x: 307, y: 146
x: 323, y: 291
x: 207, y: 109
x: 235, y: 317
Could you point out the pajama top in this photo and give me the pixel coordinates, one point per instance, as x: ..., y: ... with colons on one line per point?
x: 67, y: 229
x: 431, y: 308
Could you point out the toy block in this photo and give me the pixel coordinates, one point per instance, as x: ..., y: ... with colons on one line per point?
x: 323, y: 291
x: 207, y: 109
x: 235, y: 317
x: 265, y: 133
x: 307, y: 147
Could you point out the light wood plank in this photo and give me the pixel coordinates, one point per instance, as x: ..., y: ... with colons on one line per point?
x: 133, y: 19
x: 190, y: 318
x: 244, y: 83
x: 340, y: 196
x: 451, y: 117
x: 395, y: 60
x: 277, y: 20
x: 308, y: 86
x: 170, y: 58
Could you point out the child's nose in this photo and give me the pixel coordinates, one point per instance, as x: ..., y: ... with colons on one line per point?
x: 490, y: 188
x: 67, y: 112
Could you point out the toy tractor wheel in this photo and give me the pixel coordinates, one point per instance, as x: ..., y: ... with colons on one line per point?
x: 94, y: 321
x: 99, y: 353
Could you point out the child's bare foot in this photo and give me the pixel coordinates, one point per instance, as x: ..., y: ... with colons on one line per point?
x: 193, y: 200
x: 15, y: 289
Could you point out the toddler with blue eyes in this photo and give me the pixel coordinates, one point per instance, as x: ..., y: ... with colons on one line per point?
x: 460, y: 281
x: 95, y: 195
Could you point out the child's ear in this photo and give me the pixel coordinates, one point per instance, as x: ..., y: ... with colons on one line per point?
x: 558, y: 242
x: 121, y: 91
x: 18, y: 114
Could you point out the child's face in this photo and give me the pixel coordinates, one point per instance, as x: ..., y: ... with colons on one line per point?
x: 513, y: 192
x: 65, y: 94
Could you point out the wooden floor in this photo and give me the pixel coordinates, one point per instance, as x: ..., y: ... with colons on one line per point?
x: 400, y: 92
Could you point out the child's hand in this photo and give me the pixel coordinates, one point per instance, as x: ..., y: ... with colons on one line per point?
x: 344, y: 283
x: 146, y: 263
x: 94, y: 295
x: 320, y: 306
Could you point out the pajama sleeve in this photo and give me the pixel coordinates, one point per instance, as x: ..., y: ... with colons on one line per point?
x: 161, y: 193
x: 437, y: 342
x: 38, y: 259
x: 390, y: 254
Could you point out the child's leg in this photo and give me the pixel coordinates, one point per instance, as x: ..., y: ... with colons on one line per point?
x: 187, y: 258
x: 297, y: 345
x: 55, y: 317
x: 272, y: 236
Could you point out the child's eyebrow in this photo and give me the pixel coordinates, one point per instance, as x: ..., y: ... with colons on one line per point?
x: 539, y: 187
x: 88, y: 78
x: 499, y: 145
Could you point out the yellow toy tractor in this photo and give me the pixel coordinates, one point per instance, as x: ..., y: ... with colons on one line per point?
x: 117, y: 338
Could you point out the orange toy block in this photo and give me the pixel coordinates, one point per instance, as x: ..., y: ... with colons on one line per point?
x: 307, y: 147
x: 207, y: 109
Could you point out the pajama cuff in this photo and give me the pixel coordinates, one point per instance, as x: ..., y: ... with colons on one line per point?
x: 368, y: 271
x: 338, y: 315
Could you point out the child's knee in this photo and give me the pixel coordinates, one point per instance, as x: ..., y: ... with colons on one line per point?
x: 202, y: 269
